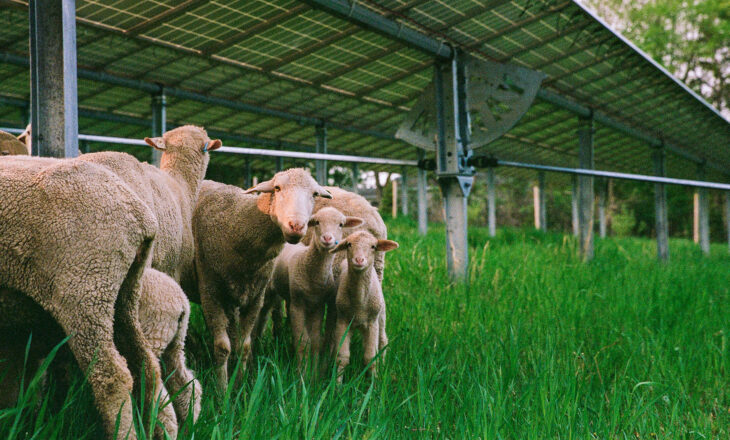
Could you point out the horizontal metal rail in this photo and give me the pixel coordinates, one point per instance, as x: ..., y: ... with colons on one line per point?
x: 615, y: 175
x: 253, y: 151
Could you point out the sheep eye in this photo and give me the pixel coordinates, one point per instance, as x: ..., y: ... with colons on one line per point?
x: 372, y: 247
x: 341, y: 225
x: 277, y: 188
x: 316, y: 194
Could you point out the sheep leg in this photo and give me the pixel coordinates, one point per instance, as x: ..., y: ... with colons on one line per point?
x: 181, y: 383
x: 383, y: 338
x: 277, y: 317
x: 343, y: 354
x: 329, y: 327
x: 314, y: 324
x: 248, y: 319
x: 217, y: 321
x: 371, y: 337
x: 300, y: 336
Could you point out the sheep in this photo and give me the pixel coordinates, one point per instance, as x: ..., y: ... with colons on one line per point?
x: 10, y: 145
x: 237, y: 236
x: 303, y: 275
x: 360, y: 302
x: 75, y: 240
x: 170, y: 191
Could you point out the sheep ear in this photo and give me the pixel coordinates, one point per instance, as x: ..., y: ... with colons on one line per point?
x: 213, y: 145
x: 353, y: 222
x: 344, y: 244
x: 324, y: 193
x: 312, y: 223
x: 386, y: 245
x: 156, y: 143
x: 263, y: 187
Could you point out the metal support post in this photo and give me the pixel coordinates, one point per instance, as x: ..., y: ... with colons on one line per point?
x: 660, y: 206
x: 491, y: 202
x: 455, y: 177
x: 394, y: 185
x: 321, y: 165
x: 159, y: 122
x: 727, y: 216
x: 404, y: 192
x: 422, y: 197
x: 585, y: 188
x: 247, y: 178
x: 53, y: 91
x: 538, y: 193
x: 355, y: 177
x: 279, y: 164
x: 574, y: 204
x: 602, y: 193
x: 703, y: 213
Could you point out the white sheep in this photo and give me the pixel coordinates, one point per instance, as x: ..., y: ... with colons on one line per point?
x: 237, y: 236
x: 303, y: 276
x: 76, y: 240
x: 360, y: 303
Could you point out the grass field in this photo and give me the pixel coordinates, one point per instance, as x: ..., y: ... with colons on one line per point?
x: 540, y: 346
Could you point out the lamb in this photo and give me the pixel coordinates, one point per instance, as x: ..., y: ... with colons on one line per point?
x: 75, y: 240
x: 303, y: 275
x: 10, y: 145
x: 360, y: 302
x: 237, y: 236
x: 163, y: 311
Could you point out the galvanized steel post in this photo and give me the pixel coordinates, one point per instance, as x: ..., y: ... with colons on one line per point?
x: 247, y: 177
x: 660, y: 206
x: 491, y: 202
x: 321, y: 165
x: 404, y: 191
x: 574, y: 203
x: 455, y: 176
x: 355, y: 177
x: 727, y: 216
x: 585, y: 188
x: 703, y: 214
x: 538, y: 194
x: 53, y: 91
x: 279, y: 164
x: 422, y: 196
x: 602, y: 191
x: 159, y: 122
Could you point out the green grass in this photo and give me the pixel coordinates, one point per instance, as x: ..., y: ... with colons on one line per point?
x: 539, y: 346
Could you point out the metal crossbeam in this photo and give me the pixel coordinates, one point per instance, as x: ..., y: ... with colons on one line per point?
x: 167, y: 15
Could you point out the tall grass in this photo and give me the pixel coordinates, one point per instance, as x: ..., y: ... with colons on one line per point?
x: 538, y: 346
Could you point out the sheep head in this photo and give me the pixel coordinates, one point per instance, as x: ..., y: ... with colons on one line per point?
x: 288, y: 198
x: 187, y: 145
x: 9, y: 145
x: 328, y: 224
x: 361, y: 247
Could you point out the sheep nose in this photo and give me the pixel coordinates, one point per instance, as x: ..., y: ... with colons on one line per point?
x: 296, y: 226
x: 327, y: 238
x: 359, y: 260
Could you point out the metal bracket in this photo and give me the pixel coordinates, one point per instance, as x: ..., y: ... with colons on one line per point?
x: 465, y: 182
x: 498, y: 95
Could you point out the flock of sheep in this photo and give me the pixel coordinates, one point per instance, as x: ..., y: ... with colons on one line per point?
x: 108, y: 251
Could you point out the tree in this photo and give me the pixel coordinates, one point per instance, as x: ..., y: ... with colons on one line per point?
x: 690, y: 38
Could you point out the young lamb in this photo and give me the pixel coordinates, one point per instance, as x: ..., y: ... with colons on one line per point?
x: 303, y: 276
x: 76, y: 240
x: 10, y: 145
x: 163, y: 311
x: 237, y: 236
x: 360, y: 302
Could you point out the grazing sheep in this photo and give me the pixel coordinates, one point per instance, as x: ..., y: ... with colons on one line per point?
x: 360, y: 302
x: 10, y: 145
x: 163, y: 312
x: 303, y: 275
x: 237, y: 236
x: 170, y: 191
x: 75, y: 240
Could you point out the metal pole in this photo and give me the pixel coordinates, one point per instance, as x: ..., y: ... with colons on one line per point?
x: 574, y: 204
x: 355, y: 177
x: 585, y: 188
x: 602, y: 190
x: 696, y: 216
x: 159, y: 122
x: 53, y: 91
x: 247, y: 178
x: 321, y: 165
x: 394, y: 183
x: 660, y: 206
x: 279, y: 164
x: 454, y: 176
x: 491, y: 202
x: 704, y: 213
x: 540, y: 212
x: 727, y: 216
x: 422, y: 197
x: 404, y: 192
